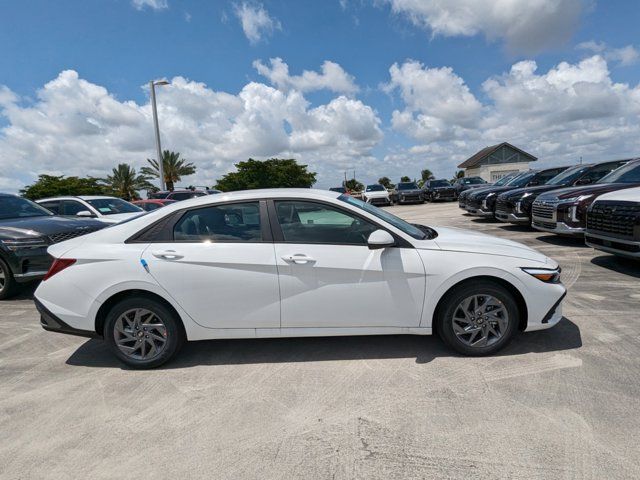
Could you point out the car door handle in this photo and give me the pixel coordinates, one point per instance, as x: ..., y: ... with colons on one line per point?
x: 298, y: 258
x: 167, y: 254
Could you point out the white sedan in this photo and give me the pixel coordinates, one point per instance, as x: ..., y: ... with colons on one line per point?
x: 106, y: 209
x: 291, y: 263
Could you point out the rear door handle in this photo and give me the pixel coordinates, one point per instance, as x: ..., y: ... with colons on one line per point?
x: 167, y: 254
x: 298, y: 258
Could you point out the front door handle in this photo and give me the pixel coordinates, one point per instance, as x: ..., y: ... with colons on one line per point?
x: 167, y: 254
x: 298, y: 259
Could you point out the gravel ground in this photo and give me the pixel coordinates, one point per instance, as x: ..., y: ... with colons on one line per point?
x: 555, y: 404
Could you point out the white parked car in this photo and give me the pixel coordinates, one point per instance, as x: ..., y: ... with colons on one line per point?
x: 289, y: 263
x: 106, y: 209
x: 613, y: 223
x: 376, y: 195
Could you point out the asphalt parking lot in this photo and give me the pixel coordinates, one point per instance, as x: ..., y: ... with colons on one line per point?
x: 561, y: 403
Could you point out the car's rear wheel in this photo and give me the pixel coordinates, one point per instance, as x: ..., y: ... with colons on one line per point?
x: 478, y: 318
x: 143, y: 333
x: 8, y: 284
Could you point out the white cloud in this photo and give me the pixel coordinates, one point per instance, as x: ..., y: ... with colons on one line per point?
x: 256, y: 21
x: 332, y: 78
x: 525, y: 25
x: 438, y: 104
x: 623, y: 56
x: 152, y: 4
x: 571, y: 110
x: 75, y: 127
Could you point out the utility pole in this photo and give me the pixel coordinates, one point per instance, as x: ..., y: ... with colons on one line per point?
x: 152, y: 85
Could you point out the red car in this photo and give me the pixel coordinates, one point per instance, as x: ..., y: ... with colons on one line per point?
x: 153, y: 204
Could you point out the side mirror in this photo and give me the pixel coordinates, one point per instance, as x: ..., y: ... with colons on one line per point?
x: 380, y: 239
x: 84, y: 213
x: 533, y: 183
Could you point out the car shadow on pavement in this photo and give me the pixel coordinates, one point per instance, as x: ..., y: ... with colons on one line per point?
x: 564, y: 241
x: 510, y: 227
x: 618, y: 264
x: 94, y: 353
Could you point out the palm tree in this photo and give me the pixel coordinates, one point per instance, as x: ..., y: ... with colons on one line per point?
x: 174, y: 168
x: 125, y: 183
x: 426, y: 174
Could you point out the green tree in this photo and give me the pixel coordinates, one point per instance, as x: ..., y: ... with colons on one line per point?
x: 426, y: 174
x: 125, y: 183
x: 174, y: 168
x: 460, y: 174
x: 54, y: 186
x: 354, y: 185
x: 385, y: 182
x: 272, y: 173
x: 405, y: 179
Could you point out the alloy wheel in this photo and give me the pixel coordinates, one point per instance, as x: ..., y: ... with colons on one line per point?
x: 3, y: 278
x: 480, y: 320
x: 140, y: 334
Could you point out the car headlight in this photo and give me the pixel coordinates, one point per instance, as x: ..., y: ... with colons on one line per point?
x: 578, y: 199
x: 545, y: 275
x: 24, y: 243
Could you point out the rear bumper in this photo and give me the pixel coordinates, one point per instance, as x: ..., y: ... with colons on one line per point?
x: 51, y: 323
x: 625, y: 248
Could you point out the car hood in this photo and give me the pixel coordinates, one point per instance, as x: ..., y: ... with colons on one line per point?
x: 119, y: 217
x: 29, y: 227
x: 377, y: 194
x: 459, y: 240
x: 486, y: 191
x: 627, y: 195
x: 595, y: 189
x: 518, y: 192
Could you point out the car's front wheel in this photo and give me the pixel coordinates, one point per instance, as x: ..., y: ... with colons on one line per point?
x: 143, y: 333
x: 478, y: 318
x: 8, y: 284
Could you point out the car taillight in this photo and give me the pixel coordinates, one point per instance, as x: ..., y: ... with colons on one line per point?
x: 58, y: 265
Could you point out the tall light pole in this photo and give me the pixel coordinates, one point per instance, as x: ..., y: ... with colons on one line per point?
x: 152, y: 85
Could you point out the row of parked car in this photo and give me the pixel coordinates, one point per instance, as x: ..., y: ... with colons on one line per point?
x: 28, y: 228
x: 411, y: 192
x: 597, y: 201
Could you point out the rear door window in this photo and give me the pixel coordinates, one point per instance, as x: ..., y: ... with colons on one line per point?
x: 237, y: 222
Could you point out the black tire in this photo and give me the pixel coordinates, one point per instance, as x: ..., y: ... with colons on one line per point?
x: 8, y: 285
x: 175, y: 337
x: 449, y: 305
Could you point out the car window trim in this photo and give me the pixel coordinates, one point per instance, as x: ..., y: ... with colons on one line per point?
x: 278, y: 235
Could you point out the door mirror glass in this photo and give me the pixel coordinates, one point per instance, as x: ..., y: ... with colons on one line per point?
x: 380, y: 239
x: 84, y: 213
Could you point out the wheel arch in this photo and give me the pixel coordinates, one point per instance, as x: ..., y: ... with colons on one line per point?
x: 519, y: 298
x: 114, y: 299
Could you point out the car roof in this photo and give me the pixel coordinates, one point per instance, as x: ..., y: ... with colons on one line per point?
x: 310, y: 193
x: 76, y: 197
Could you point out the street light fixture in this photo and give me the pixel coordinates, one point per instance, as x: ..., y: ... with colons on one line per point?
x: 152, y: 86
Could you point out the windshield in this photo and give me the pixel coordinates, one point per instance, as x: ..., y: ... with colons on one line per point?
x: 522, y: 179
x: 506, y: 179
x: 16, y: 207
x: 473, y: 181
x: 440, y: 183
x: 407, y: 186
x: 375, y: 188
x: 112, y: 206
x: 339, y: 189
x: 629, y: 173
x: 568, y: 176
x: 386, y: 216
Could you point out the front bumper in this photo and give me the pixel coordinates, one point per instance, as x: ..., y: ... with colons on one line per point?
x: 510, y: 217
x: 561, y: 228
x: 479, y: 212
x: 51, y: 323
x: 28, y: 264
x: 553, y: 316
x: 617, y: 246
x: 414, y: 197
x: 379, y: 201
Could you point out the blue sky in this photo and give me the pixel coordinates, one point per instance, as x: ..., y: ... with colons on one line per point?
x: 121, y: 44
